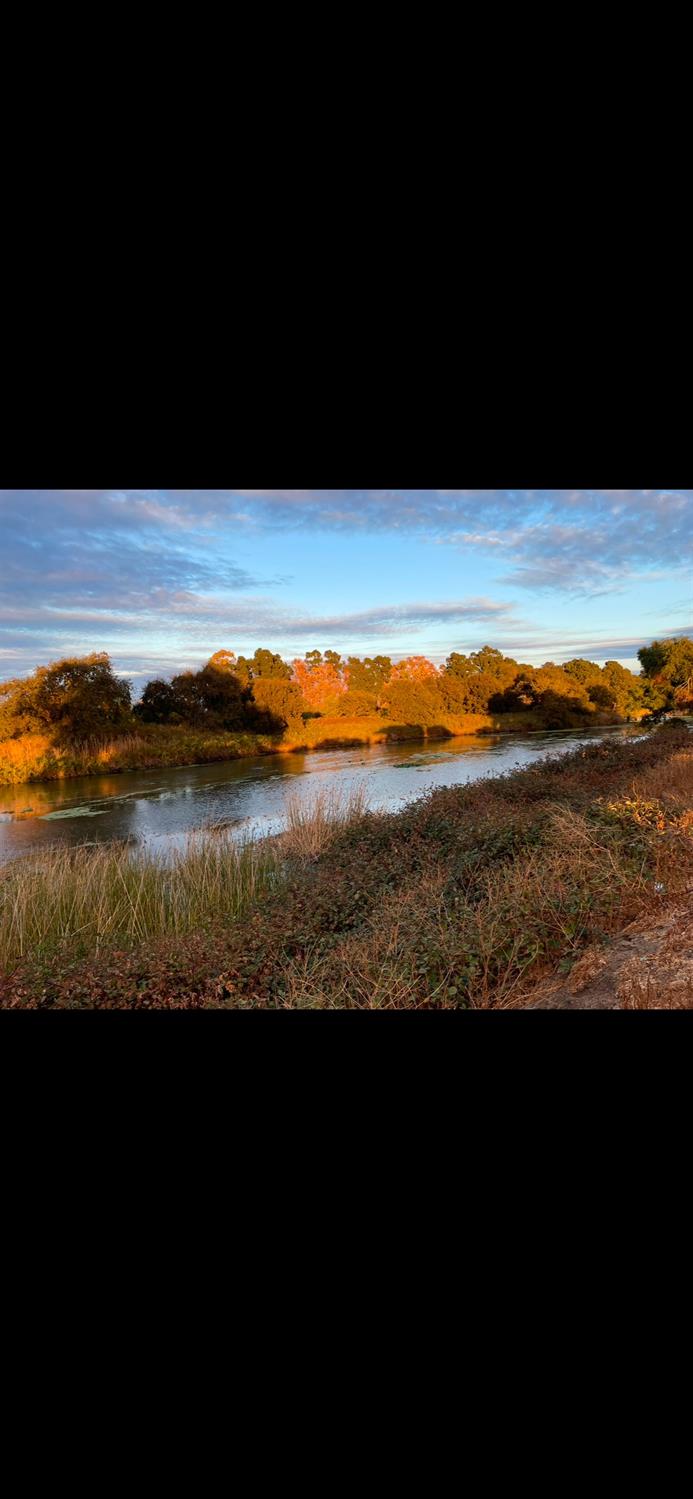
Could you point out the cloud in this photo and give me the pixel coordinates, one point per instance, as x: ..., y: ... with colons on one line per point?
x: 604, y: 545
x: 107, y: 549
x: 210, y: 616
x: 584, y: 538
x: 133, y: 567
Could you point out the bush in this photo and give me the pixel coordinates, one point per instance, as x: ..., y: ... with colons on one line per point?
x: 602, y: 696
x: 413, y: 702
x: 278, y: 699
x: 356, y: 704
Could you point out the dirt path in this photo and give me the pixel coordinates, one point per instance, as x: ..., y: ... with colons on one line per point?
x: 649, y: 967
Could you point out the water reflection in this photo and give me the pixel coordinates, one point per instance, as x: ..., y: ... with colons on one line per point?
x: 249, y: 795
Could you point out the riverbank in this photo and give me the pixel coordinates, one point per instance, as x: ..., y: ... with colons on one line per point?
x: 35, y: 758
x: 469, y: 898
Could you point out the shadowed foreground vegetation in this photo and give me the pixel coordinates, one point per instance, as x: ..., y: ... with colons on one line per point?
x: 469, y: 898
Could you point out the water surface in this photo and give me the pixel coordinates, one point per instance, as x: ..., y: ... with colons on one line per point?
x: 158, y: 807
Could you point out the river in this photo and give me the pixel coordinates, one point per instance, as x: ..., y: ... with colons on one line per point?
x: 158, y: 807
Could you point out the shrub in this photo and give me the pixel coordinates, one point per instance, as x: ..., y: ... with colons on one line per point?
x: 356, y: 703
x: 280, y: 699
x: 413, y: 702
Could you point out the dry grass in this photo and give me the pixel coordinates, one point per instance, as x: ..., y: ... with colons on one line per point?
x: 312, y: 825
x: 472, y: 897
x: 32, y: 756
x: 83, y: 900
x: 35, y: 758
x: 595, y: 868
x: 670, y: 782
x: 424, y: 947
x: 663, y: 978
x: 75, y: 901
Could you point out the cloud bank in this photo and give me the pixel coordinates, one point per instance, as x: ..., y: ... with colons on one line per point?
x: 151, y: 572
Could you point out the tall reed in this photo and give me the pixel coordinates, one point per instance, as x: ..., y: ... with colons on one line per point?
x: 311, y: 824
x: 81, y: 900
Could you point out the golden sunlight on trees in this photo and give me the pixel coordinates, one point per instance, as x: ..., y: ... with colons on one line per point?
x: 80, y: 699
x: 414, y: 669
x: 411, y: 702
x: 668, y: 668
x: 280, y: 698
x: 263, y: 664
x: 320, y: 680
x: 224, y: 661
x: 75, y: 699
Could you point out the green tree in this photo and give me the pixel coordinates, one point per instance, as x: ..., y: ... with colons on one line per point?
x: 454, y: 693
x: 653, y: 658
x: 458, y: 665
x: 496, y: 671
x: 493, y: 661
x: 669, y: 665
x: 410, y: 702
x: 602, y: 696
x: 281, y: 699
x: 586, y: 672
x: 355, y: 703
x: 157, y: 703
x: 481, y: 687
x: 269, y: 664
x: 370, y: 675
x: 263, y: 664
x: 213, y: 698
x: 523, y: 693
x: 625, y: 687
x: 75, y: 699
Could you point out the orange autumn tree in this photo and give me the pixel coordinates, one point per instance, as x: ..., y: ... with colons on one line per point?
x: 321, y: 681
x: 414, y: 669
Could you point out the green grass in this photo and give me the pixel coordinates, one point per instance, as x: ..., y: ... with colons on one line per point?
x: 71, y: 902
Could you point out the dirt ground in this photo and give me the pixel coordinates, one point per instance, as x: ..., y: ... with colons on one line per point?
x: 648, y: 967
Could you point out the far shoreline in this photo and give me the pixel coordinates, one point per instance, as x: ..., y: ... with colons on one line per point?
x: 35, y: 761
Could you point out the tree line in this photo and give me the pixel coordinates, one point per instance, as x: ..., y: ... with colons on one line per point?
x: 81, y: 698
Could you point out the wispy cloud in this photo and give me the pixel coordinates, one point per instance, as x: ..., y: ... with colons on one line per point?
x: 129, y: 569
x: 547, y: 534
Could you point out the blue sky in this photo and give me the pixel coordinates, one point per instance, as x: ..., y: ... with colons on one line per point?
x: 162, y: 578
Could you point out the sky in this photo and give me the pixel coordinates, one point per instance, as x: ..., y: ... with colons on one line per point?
x: 162, y: 578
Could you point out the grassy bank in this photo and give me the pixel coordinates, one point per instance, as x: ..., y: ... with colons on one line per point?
x: 469, y: 898
x: 35, y: 758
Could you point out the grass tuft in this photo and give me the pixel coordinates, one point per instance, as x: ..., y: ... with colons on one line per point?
x: 71, y: 902
x: 311, y: 826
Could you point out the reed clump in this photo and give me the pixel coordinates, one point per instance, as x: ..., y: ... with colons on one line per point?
x: 312, y: 825
x: 72, y: 902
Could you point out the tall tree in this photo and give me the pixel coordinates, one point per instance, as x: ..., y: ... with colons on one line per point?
x: 413, y: 669
x: 370, y: 675
x: 321, y: 683
x: 77, y: 698
x: 669, y: 665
